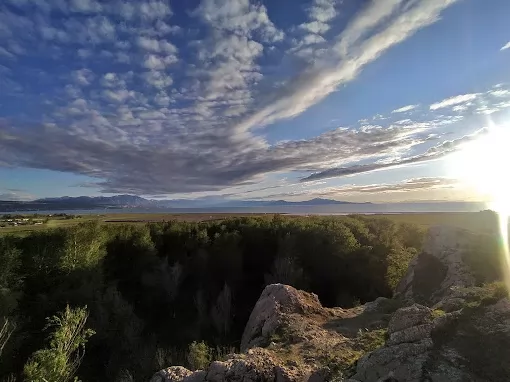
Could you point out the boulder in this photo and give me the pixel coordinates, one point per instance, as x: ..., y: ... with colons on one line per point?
x: 438, y: 268
x: 406, y: 349
x: 266, y: 317
x: 171, y: 374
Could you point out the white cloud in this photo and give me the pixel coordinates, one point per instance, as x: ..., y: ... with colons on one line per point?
x: 154, y: 62
x: 460, y: 99
x: 157, y: 79
x: 460, y: 108
x: 506, y: 46
x: 316, y: 27
x: 154, y: 9
x: 500, y: 93
x: 83, y: 77
x: 239, y: 16
x: 364, y: 23
x: 322, y: 10
x: 157, y: 46
x: 120, y: 95
x: 403, y: 109
x: 320, y: 80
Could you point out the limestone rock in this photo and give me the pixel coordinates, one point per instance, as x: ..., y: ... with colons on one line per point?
x: 406, y: 350
x: 378, y: 304
x: 171, y: 374
x: 439, y: 266
x: 266, y: 316
x: 197, y: 376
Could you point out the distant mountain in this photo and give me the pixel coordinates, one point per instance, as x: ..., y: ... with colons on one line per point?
x: 78, y: 203
x: 130, y: 201
x: 312, y: 202
x: 127, y: 201
x: 222, y: 203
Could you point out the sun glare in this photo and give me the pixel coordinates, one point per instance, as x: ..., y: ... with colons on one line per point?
x: 482, y: 165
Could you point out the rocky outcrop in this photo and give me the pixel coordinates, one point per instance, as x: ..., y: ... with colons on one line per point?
x: 267, y: 316
x: 172, y: 374
x: 438, y: 328
x: 406, y: 350
x: 438, y: 268
x: 257, y: 365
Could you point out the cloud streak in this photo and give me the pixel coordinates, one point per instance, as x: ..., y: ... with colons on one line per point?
x: 453, y: 101
x: 435, y: 152
x: 404, y: 109
x: 506, y: 46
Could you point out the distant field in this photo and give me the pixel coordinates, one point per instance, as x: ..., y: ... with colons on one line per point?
x: 473, y: 221
x: 133, y: 218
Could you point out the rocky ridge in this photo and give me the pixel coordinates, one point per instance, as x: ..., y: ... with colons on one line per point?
x: 439, y: 327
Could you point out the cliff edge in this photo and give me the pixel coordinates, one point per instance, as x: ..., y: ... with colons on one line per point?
x: 439, y: 327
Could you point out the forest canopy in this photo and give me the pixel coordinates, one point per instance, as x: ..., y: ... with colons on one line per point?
x: 144, y: 297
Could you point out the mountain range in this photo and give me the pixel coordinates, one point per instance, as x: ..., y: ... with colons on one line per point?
x: 131, y: 201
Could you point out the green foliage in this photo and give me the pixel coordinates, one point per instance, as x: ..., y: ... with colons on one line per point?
x: 488, y: 294
x: 199, y: 355
x: 370, y: 340
x: 398, y: 262
x: 59, y: 362
x: 436, y: 313
x: 83, y: 247
x: 343, y: 364
x: 154, y: 289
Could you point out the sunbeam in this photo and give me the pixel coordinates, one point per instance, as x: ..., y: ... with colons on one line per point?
x: 480, y: 164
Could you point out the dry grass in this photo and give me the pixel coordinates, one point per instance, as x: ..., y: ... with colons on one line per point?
x: 474, y: 221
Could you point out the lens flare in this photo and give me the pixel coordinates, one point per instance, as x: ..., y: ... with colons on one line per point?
x: 482, y: 165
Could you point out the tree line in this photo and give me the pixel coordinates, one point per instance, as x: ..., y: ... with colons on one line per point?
x: 143, y: 297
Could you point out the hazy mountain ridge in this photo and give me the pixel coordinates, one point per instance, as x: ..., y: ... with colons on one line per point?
x: 131, y: 201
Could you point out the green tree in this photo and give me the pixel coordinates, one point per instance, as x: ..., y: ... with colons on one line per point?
x: 59, y: 362
x: 199, y: 355
x: 83, y: 247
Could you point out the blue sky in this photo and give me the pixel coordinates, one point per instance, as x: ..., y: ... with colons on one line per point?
x: 345, y: 99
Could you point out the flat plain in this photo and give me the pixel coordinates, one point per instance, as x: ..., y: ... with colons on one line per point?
x: 473, y: 221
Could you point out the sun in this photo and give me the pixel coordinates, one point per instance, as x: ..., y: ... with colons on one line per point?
x: 482, y: 165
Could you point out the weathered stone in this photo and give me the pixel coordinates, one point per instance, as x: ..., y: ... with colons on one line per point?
x: 403, y: 362
x: 408, y: 317
x: 266, y: 315
x: 172, y: 374
x: 197, y: 376
x: 217, y: 371
x: 439, y: 266
x: 377, y: 305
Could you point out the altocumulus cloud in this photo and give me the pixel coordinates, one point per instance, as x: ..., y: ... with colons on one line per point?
x: 149, y: 106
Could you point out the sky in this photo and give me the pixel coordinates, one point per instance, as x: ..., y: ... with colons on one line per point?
x: 240, y: 99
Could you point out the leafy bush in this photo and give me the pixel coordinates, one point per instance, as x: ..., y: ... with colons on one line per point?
x: 60, y: 361
x: 199, y: 355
